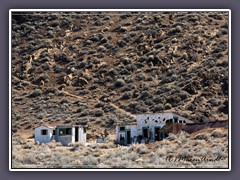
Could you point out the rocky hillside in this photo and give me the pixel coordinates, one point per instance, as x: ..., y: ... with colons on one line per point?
x: 102, y: 68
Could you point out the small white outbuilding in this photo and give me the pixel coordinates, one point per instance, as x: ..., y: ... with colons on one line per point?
x: 44, y: 134
x: 70, y: 134
x: 64, y: 134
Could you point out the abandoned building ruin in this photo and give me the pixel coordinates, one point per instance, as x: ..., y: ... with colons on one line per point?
x: 150, y: 128
x: 63, y: 134
x: 147, y: 129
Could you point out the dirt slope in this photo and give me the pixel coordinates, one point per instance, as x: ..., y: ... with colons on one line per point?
x: 102, y: 68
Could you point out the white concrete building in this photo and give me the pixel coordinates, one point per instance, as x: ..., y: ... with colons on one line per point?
x: 147, y: 128
x: 44, y: 134
x: 70, y: 134
x: 63, y: 134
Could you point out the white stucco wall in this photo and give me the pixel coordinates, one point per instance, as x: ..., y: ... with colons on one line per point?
x: 82, y: 137
x: 153, y: 119
x: 149, y: 121
x: 64, y: 139
x: 43, y: 138
x: 117, y: 133
x: 131, y: 128
x: 133, y: 131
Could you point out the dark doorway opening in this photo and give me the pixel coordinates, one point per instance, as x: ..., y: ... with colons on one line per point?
x: 157, y: 134
x: 145, y: 132
x: 161, y: 135
x: 165, y: 135
x: 128, y: 137
x: 76, y: 134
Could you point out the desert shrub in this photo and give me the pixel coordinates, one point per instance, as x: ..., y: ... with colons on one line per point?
x: 196, y: 143
x: 131, y: 67
x: 45, y: 67
x: 184, y: 153
x: 158, y: 108
x: 141, y: 109
x: 53, y: 144
x: 26, y: 160
x: 125, y: 61
x: 122, y: 29
x: 84, y: 113
x: 27, y: 146
x: 126, y: 95
x: 49, y: 91
x: 190, y: 107
x: 109, y: 108
x: 218, y: 133
x: 122, y: 43
x: 184, y: 95
x: 174, y: 100
x: 224, y: 31
x: 101, y: 49
x: 62, y: 58
x: 139, y: 64
x: 148, y: 102
x: 175, y: 30
x: 224, y: 108
x: 84, y: 92
x: 129, y: 79
x: 190, y: 88
x: 100, y: 55
x: 36, y: 93
x: 44, y: 78
x: 124, y: 71
x: 160, y: 99
x: 50, y: 34
x: 171, y: 137
x: 77, y: 146
x: 59, y: 161
x: 143, y: 59
x: 99, y: 113
x: 201, y: 136
x: 119, y: 83
x: 39, y: 115
x: 82, y: 65
x: 134, y: 157
x: 140, y: 77
x: 79, y: 110
x: 63, y: 100
x: 183, y: 136
x: 142, y: 149
x: 133, y: 148
x: 99, y: 105
x: 145, y: 94
x: 119, y: 163
x: 167, y: 79
x: 219, y: 152
x: 214, y: 102
x: 89, y: 161
x: 168, y: 106
x: 150, y: 78
x: 129, y: 87
x: 108, y: 145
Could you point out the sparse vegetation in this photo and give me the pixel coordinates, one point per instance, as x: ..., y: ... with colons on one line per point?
x: 109, y: 155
